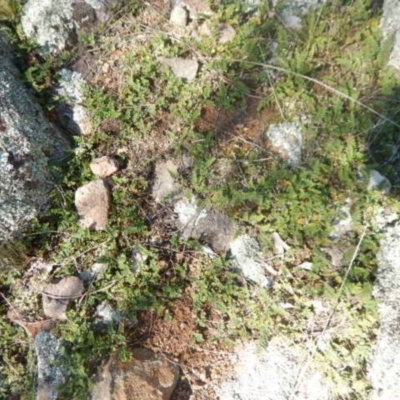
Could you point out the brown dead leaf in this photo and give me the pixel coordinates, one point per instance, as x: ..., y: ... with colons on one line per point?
x: 57, y: 296
x: 31, y: 328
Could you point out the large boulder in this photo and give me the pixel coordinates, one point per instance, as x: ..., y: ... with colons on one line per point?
x: 385, y: 363
x: 390, y: 25
x: 27, y: 142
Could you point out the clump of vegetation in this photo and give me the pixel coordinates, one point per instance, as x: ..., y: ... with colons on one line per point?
x: 331, y: 78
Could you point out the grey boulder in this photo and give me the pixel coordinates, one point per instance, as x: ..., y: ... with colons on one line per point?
x: 27, y: 143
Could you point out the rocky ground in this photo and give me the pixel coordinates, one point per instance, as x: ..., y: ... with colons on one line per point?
x: 198, y: 201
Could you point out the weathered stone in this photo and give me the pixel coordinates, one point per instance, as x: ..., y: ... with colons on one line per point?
x: 390, y: 25
x: 273, y: 374
x: 293, y: 11
x: 196, y: 7
x: 212, y: 227
x: 146, y: 376
x: 181, y: 67
x: 57, y: 296
x: 93, y: 202
x: 72, y: 113
x: 378, y: 182
x: 104, y: 166
x: 51, y: 371
x: 179, y: 16
x: 225, y: 32
x: 54, y: 23
x: 286, y: 139
x: 165, y: 182
x: 27, y: 142
x: 384, y: 370
x: 247, y: 259
x: 344, y: 222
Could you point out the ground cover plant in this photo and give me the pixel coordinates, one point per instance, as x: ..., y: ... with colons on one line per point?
x: 331, y: 78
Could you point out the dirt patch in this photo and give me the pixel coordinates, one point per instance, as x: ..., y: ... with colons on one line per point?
x: 240, y: 129
x: 204, y: 364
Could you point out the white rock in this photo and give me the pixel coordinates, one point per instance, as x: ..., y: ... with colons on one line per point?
x: 344, y: 223
x: 390, y: 25
x: 279, y: 245
x: 226, y: 33
x: 272, y: 374
x: 93, y: 202
x: 188, y: 211
x: 246, y: 256
x: 179, y: 16
x: 165, y: 182
x: 378, y: 182
x: 104, y: 166
x: 181, y: 67
x: 107, y: 313
x: 384, y: 371
x: 71, y: 110
x: 286, y: 139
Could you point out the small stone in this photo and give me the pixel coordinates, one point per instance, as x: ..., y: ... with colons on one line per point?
x: 378, y: 182
x: 197, y: 8
x: 181, y: 67
x: 165, y: 183
x: 93, y: 202
x: 107, y: 313
x: 179, y: 16
x: 226, y: 33
x: 212, y: 227
x: 286, y: 139
x: 246, y: 256
x: 344, y: 223
x: 104, y: 166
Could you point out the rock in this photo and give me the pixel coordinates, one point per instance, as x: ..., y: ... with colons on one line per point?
x: 50, y: 369
x: 96, y: 272
x: 344, y: 222
x: 196, y: 8
x: 272, y: 374
x: 179, y: 16
x: 72, y: 113
x: 247, y: 259
x: 279, y: 245
x: 28, y: 143
x: 93, y: 202
x: 145, y: 376
x: 378, y: 182
x: 53, y: 24
x: 107, y: 313
x: 225, y: 34
x: 138, y: 258
x: 212, y: 227
x: 286, y: 139
x: 181, y: 67
x: 293, y: 11
x: 384, y: 371
x: 104, y: 166
x: 165, y: 183
x: 390, y: 25
x: 57, y: 296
